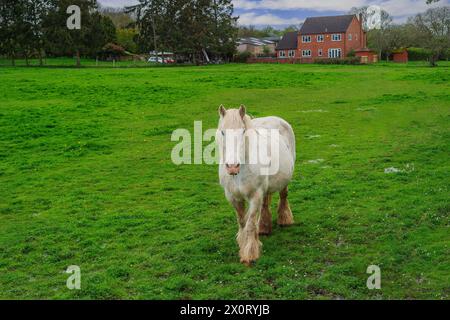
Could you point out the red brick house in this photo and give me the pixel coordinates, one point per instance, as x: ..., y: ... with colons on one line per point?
x: 287, y: 48
x: 325, y: 37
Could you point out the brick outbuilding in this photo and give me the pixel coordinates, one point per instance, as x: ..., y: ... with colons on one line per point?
x: 400, y: 55
x: 366, y: 55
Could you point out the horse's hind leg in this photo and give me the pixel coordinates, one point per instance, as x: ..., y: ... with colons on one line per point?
x: 265, y: 222
x: 285, y: 217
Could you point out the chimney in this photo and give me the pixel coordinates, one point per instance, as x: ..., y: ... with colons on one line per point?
x: 363, y: 34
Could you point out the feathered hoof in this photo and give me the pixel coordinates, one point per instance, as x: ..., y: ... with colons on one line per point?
x: 264, y: 230
x: 248, y: 263
x: 285, y: 217
x: 250, y: 252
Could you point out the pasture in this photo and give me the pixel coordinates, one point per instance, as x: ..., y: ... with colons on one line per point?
x: 86, y: 179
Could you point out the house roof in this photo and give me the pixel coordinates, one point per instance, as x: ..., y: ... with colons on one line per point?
x: 326, y: 24
x: 273, y: 38
x: 255, y: 41
x: 289, y: 41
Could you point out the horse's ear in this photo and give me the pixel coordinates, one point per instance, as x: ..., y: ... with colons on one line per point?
x: 242, y: 111
x: 222, y: 110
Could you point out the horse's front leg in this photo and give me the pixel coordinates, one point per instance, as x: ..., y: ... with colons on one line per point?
x: 239, y: 206
x: 248, y: 238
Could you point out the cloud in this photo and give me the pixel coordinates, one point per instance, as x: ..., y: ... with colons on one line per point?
x: 251, y: 18
x: 249, y: 9
x: 394, y: 7
x: 117, y: 3
x: 399, y: 9
x: 321, y: 5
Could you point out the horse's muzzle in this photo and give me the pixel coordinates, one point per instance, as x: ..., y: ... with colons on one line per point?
x: 233, y: 169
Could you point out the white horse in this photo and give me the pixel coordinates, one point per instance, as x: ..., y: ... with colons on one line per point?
x: 250, y: 181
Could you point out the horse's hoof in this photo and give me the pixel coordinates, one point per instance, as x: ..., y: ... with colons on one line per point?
x: 285, y: 221
x: 285, y: 225
x: 247, y: 263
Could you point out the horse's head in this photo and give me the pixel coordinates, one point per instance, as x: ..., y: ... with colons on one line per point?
x: 230, y: 137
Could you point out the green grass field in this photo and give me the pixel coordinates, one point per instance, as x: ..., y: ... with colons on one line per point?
x: 86, y: 179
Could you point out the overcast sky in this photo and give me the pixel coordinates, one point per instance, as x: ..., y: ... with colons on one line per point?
x: 280, y: 13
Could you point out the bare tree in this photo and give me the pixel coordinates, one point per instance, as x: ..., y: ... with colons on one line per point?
x: 378, y: 38
x: 433, y: 31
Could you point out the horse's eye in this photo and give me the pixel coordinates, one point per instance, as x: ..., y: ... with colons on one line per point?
x: 223, y: 133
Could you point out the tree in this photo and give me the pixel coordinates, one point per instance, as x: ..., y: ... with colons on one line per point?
x: 432, y: 29
x: 149, y: 22
x: 224, y: 29
x: 96, y: 30
x: 59, y: 39
x: 193, y: 28
x: 248, y: 31
x: 126, y: 38
x: 102, y: 31
x: 33, y: 31
x: 268, y: 31
x: 377, y: 38
x: 120, y: 18
x: 11, y: 27
x: 291, y: 28
x: 385, y: 17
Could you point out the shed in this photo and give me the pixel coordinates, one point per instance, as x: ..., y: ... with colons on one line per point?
x: 366, y: 55
x: 400, y: 55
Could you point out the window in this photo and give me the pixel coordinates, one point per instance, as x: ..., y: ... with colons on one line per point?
x: 320, y: 38
x: 282, y: 54
x: 291, y: 53
x: 336, y: 37
x: 320, y: 52
x: 306, y: 39
x: 306, y: 53
x: 349, y: 37
x: 334, y: 53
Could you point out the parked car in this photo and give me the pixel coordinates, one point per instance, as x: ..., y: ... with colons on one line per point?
x: 160, y: 60
x: 155, y: 60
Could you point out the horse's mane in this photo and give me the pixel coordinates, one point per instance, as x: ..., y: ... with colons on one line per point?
x: 247, y: 121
